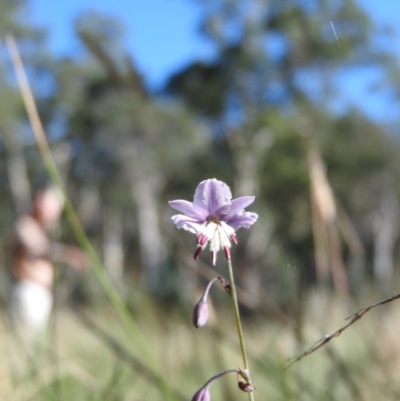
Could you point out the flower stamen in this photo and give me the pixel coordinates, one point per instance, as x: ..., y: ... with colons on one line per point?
x: 214, y: 257
x: 202, y: 239
x: 198, y: 252
x: 227, y: 252
x: 234, y: 238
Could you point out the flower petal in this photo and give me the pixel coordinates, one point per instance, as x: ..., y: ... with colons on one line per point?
x: 187, y: 223
x: 245, y: 219
x: 189, y: 209
x: 212, y: 195
x: 238, y: 205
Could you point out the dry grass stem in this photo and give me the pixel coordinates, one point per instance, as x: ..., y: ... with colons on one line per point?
x: 353, y: 318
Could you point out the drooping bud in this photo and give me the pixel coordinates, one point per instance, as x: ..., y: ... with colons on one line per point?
x: 203, y: 394
x: 200, y: 313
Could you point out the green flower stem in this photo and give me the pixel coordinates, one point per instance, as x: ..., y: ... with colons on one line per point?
x: 97, y: 267
x: 239, y: 324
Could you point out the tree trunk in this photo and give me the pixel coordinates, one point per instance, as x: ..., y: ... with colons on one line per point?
x: 113, y: 249
x: 385, y: 229
x: 17, y: 173
x: 145, y: 193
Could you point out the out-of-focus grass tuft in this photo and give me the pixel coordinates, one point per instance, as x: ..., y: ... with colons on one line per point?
x: 362, y: 364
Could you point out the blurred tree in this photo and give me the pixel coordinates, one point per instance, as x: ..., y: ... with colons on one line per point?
x: 363, y: 162
x: 14, y: 130
x: 118, y: 129
x: 267, y: 96
x: 269, y: 92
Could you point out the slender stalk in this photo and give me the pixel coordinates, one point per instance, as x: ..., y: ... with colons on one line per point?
x: 239, y: 324
x: 97, y: 267
x: 218, y: 375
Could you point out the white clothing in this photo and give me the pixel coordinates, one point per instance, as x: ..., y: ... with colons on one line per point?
x: 31, y: 305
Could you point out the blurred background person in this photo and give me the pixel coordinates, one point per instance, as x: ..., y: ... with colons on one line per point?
x: 33, y: 257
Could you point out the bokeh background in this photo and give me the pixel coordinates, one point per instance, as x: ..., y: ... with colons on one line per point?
x: 295, y: 102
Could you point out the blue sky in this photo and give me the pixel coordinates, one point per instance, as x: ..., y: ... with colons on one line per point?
x: 162, y: 35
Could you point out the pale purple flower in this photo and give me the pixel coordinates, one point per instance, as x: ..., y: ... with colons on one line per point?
x: 213, y: 216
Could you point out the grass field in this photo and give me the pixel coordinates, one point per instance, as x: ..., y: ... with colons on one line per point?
x: 85, y: 362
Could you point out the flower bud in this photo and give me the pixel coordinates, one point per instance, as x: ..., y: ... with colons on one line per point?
x: 200, y: 313
x: 243, y: 379
x: 203, y: 394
